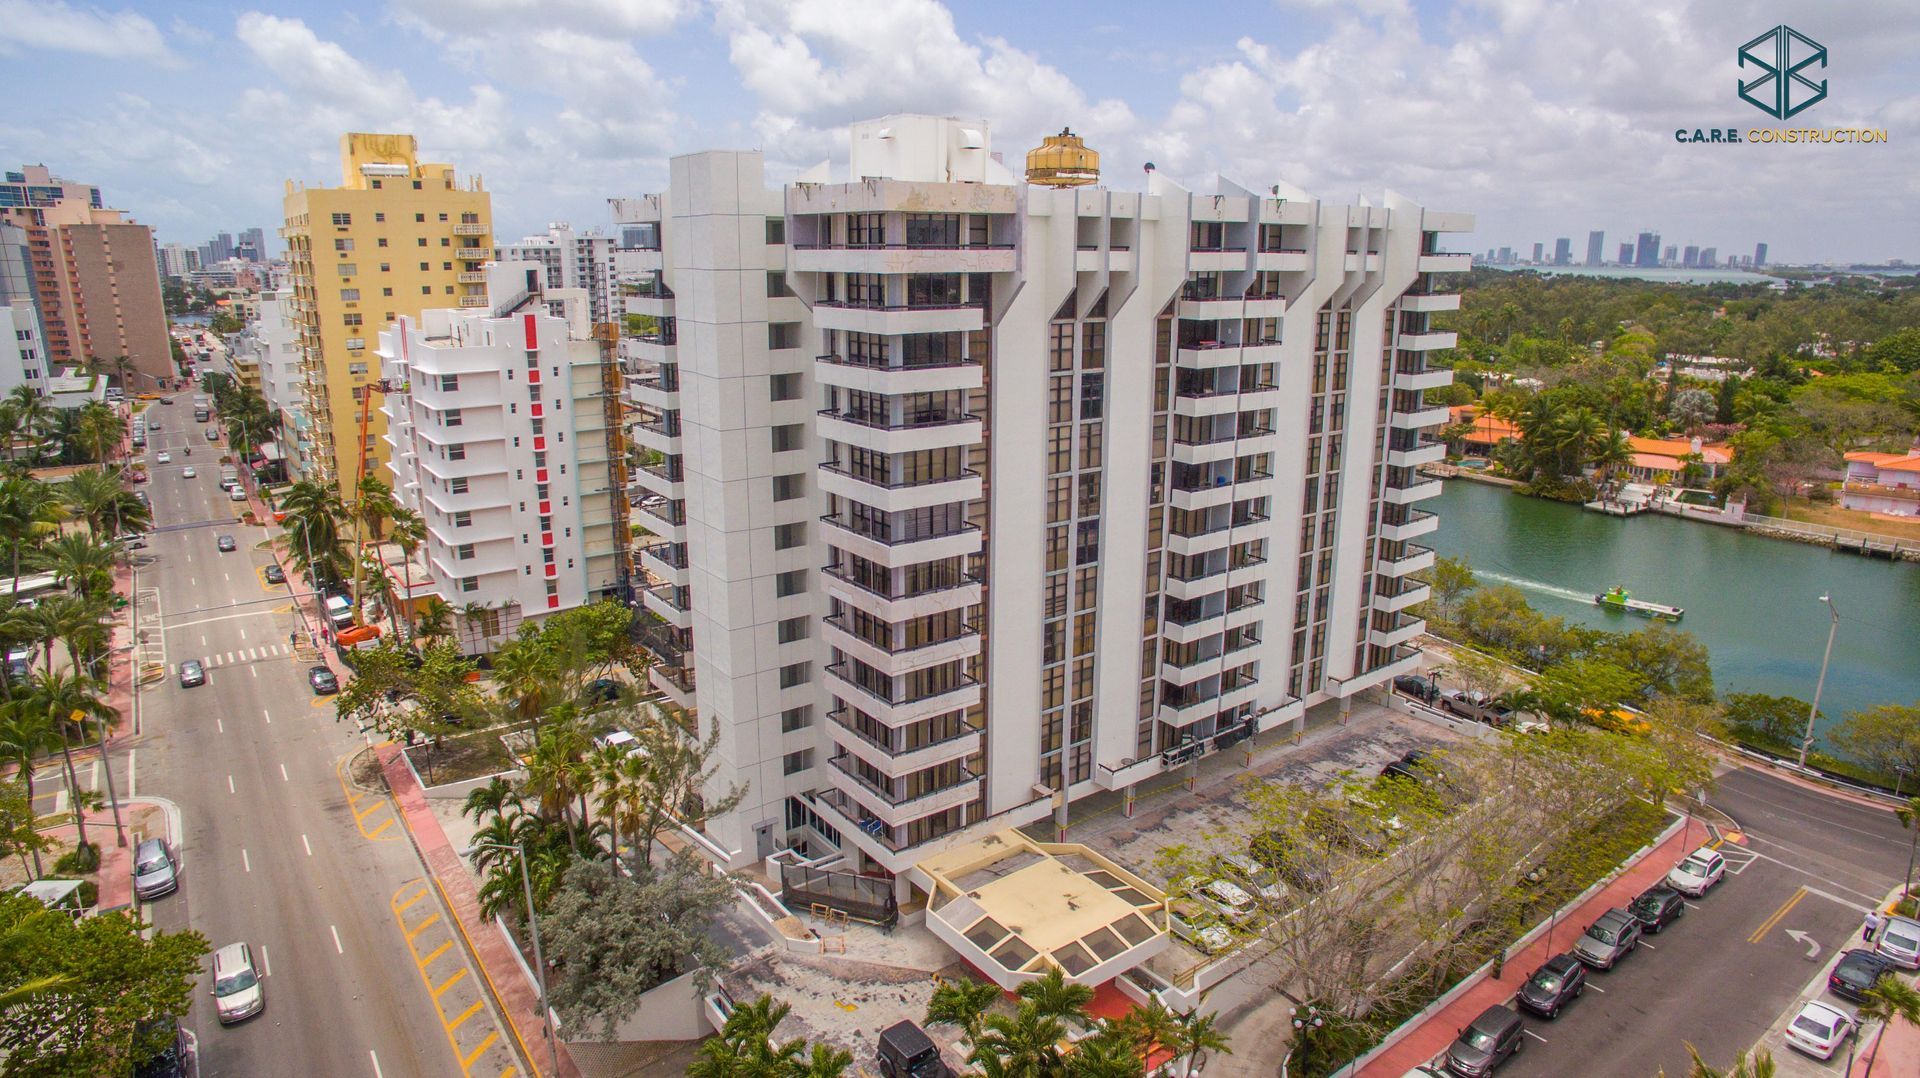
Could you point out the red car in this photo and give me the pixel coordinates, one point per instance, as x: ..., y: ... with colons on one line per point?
x: 139, y: 477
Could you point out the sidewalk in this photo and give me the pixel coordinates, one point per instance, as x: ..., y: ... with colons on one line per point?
x: 1439, y: 1028
x: 1899, y: 1052
x: 516, y: 997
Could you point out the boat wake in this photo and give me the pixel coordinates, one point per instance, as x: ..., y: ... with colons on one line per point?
x: 1584, y: 598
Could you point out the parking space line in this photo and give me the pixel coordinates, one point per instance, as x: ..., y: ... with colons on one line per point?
x: 422, y: 926
x: 456, y: 1023
x: 384, y: 824
x: 1596, y: 988
x: 1785, y: 908
x: 441, y: 988
x: 408, y: 904
x: 437, y: 952
x: 492, y: 1035
x: 1534, y: 1035
x: 245, y: 862
x: 1648, y: 946
x: 266, y: 962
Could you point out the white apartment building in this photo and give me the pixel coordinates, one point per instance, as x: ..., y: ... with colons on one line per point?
x: 497, y: 428
x: 582, y: 260
x: 969, y: 498
x: 272, y: 341
x: 23, y: 352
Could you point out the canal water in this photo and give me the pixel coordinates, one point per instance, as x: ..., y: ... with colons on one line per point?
x: 1754, y: 602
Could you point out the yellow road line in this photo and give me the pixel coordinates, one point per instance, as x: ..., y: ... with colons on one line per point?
x: 419, y: 928
x: 408, y: 904
x: 358, y: 815
x: 492, y: 1035
x: 384, y: 824
x: 437, y: 952
x: 1785, y: 908
x: 455, y: 1023
x: 441, y: 989
x: 526, y: 1054
x: 508, y: 1073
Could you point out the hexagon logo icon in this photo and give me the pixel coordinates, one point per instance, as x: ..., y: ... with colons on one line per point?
x: 1781, y: 55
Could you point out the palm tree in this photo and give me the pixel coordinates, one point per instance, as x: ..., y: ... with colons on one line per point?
x: 70, y: 700
x: 25, y: 733
x: 1508, y: 314
x: 62, y: 430
x: 28, y: 511
x: 101, y: 430
x: 1194, y: 1036
x: 435, y: 618
x: 1611, y: 451
x: 91, y: 495
x: 1887, y: 1000
x: 1760, y: 1066
x: 524, y: 672
x: 496, y: 799
x: 408, y: 532
x: 81, y: 562
x: 11, y: 426
x: 1024, y: 1044
x: 745, y: 1047
x: 33, y: 410
x: 962, y: 1003
x: 313, y: 516
x: 1909, y: 817
x: 1056, y: 997
x: 825, y: 1061
x: 1108, y: 1054
x: 553, y: 770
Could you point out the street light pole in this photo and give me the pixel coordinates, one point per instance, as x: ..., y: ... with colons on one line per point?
x: 1813, y: 711
x: 539, y: 961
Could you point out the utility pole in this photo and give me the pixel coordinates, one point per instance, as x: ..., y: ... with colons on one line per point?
x: 1806, y: 742
x: 539, y: 961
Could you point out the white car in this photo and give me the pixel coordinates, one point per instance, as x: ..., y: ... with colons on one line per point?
x: 164, y: 457
x: 188, y: 473
x: 1820, y: 1029
x: 1700, y: 870
x: 1228, y: 899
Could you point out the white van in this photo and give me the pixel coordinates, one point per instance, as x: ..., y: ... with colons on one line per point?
x: 339, y: 611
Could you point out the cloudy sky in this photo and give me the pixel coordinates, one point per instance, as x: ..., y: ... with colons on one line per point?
x: 1545, y: 119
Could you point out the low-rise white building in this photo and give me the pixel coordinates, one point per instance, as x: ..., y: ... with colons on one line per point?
x: 498, y: 436
x: 582, y: 260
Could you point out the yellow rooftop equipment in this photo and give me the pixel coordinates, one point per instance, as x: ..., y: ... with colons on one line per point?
x: 1063, y: 160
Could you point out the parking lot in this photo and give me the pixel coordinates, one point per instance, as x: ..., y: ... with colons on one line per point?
x: 1802, y: 873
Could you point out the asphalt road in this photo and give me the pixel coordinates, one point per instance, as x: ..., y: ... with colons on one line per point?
x: 278, y: 850
x: 1720, y: 976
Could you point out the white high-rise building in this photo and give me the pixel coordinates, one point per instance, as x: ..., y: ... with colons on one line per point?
x: 272, y: 341
x: 23, y: 348
x: 498, y: 434
x: 582, y: 260
x: 965, y: 493
x: 178, y: 260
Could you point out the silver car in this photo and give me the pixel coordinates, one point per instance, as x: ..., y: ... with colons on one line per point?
x: 153, y: 869
x: 1608, y: 940
x: 237, y: 991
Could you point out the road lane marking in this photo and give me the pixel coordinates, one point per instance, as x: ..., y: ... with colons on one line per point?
x: 384, y: 824
x: 456, y: 1023
x: 1596, y: 988
x: 243, y: 634
x: 376, y: 1064
x: 266, y: 960
x: 283, y: 774
x: 229, y: 783
x: 268, y: 714
x: 255, y: 671
x: 492, y: 1035
x: 437, y: 951
x: 336, y: 940
x: 132, y: 774
x: 220, y: 726
x: 308, y: 845
x: 1785, y: 908
x: 1648, y: 946
x: 375, y: 802
x: 433, y: 918
x: 245, y: 861
x: 441, y: 988
x: 1758, y: 856
x: 226, y: 576
x: 408, y: 904
x: 1534, y: 1035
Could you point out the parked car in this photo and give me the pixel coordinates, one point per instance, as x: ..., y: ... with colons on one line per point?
x: 1226, y: 898
x: 236, y: 494
x: 1199, y: 928
x: 905, y: 1051
x: 1475, y: 705
x: 164, y: 457
x: 153, y: 870
x: 192, y: 674
x: 1698, y: 872
x: 323, y: 681
x: 1416, y: 765
x: 1558, y: 982
x: 1900, y: 942
x: 1608, y: 940
x: 1420, y: 688
x: 226, y: 544
x: 171, y: 1061
x: 276, y: 575
x: 1657, y: 907
x: 1820, y: 1029
x: 1251, y: 875
x: 603, y: 690
x: 166, y: 401
x: 133, y: 541
x: 1486, y: 1043
x: 1857, y: 971
x: 237, y: 991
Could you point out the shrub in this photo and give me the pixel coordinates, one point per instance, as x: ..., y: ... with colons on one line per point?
x: 79, y: 861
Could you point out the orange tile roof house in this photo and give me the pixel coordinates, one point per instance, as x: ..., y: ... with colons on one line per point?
x: 1487, y: 430
x: 1885, y: 483
x: 1653, y: 456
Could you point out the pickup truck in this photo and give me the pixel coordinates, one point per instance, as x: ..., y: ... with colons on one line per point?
x: 1478, y: 706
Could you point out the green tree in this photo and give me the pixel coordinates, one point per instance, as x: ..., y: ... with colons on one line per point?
x: 1897, y: 351
x: 1579, y: 689
x: 1889, y: 1000
x: 962, y: 1002
x: 71, y: 702
x: 1668, y: 661
x: 18, y: 835
x: 1451, y: 580
x: 1775, y: 721
x: 25, y: 735
x: 116, y: 980
x: 611, y: 938
x: 1761, y: 1065
x: 1885, y: 738
x: 745, y: 1047
x: 312, y: 526
x: 81, y: 562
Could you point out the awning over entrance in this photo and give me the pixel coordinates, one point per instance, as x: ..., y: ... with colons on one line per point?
x: 1013, y: 907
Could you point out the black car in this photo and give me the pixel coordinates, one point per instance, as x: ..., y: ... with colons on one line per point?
x: 1487, y: 1043
x: 603, y: 690
x: 1420, y: 688
x: 1858, y: 971
x: 1657, y: 907
x: 171, y: 1061
x: 226, y: 544
x: 323, y: 681
x: 276, y: 575
x: 1417, y: 765
x: 1554, y: 985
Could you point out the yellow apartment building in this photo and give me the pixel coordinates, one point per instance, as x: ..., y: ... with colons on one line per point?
x: 397, y: 237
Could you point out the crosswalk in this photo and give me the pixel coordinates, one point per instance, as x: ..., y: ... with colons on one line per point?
x: 234, y: 658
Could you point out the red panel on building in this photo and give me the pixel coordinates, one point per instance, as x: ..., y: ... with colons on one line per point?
x: 533, y: 332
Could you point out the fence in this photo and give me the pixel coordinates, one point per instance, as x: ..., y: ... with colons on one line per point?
x: 1843, y: 537
x: 864, y: 897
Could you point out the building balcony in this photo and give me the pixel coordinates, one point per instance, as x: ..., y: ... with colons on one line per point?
x: 1211, y: 582
x: 900, y: 712
x: 1446, y: 221
x: 660, y: 560
x: 469, y: 228
x: 661, y: 480
x: 470, y: 277
x: 1416, y: 559
x: 1427, y: 342
x: 662, y: 517
x: 1192, y: 671
x: 888, y: 258
x: 656, y: 436
x: 836, y: 370
x: 1103, y: 260
x: 651, y: 349
x: 1229, y: 447
x: 893, y: 321
x: 1436, y: 416
x: 1428, y: 378
x: 1416, y: 525
x: 1411, y: 595
x: 1865, y: 489
x: 1404, y: 629
x: 896, y: 810
x: 894, y: 553
x: 649, y: 304
x: 958, y: 596
x: 1207, y: 355
x: 660, y: 601
x: 932, y: 431
x: 1444, y: 263
x: 1216, y: 538
x: 1423, y: 452
x: 1356, y: 262
x: 1216, y: 259
x: 473, y: 301
x: 894, y: 497
x: 675, y: 683
x: 1283, y: 261
x: 1283, y: 211
x: 653, y: 393
x: 1411, y: 492
x: 1430, y: 302
x: 904, y: 762
x: 902, y: 660
x: 1212, y: 308
x: 1195, y: 629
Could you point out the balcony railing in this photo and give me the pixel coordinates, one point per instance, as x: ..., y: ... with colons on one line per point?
x: 847, y: 305
x: 841, y: 622
x: 903, y: 246
x: 898, y: 484
x: 843, y: 721
x: 845, y: 672
x: 899, y: 800
x: 895, y: 540
x: 915, y: 421
x: 881, y: 363
x: 962, y: 580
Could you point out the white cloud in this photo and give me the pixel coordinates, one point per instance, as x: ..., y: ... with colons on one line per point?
x: 467, y: 18
x: 53, y: 25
